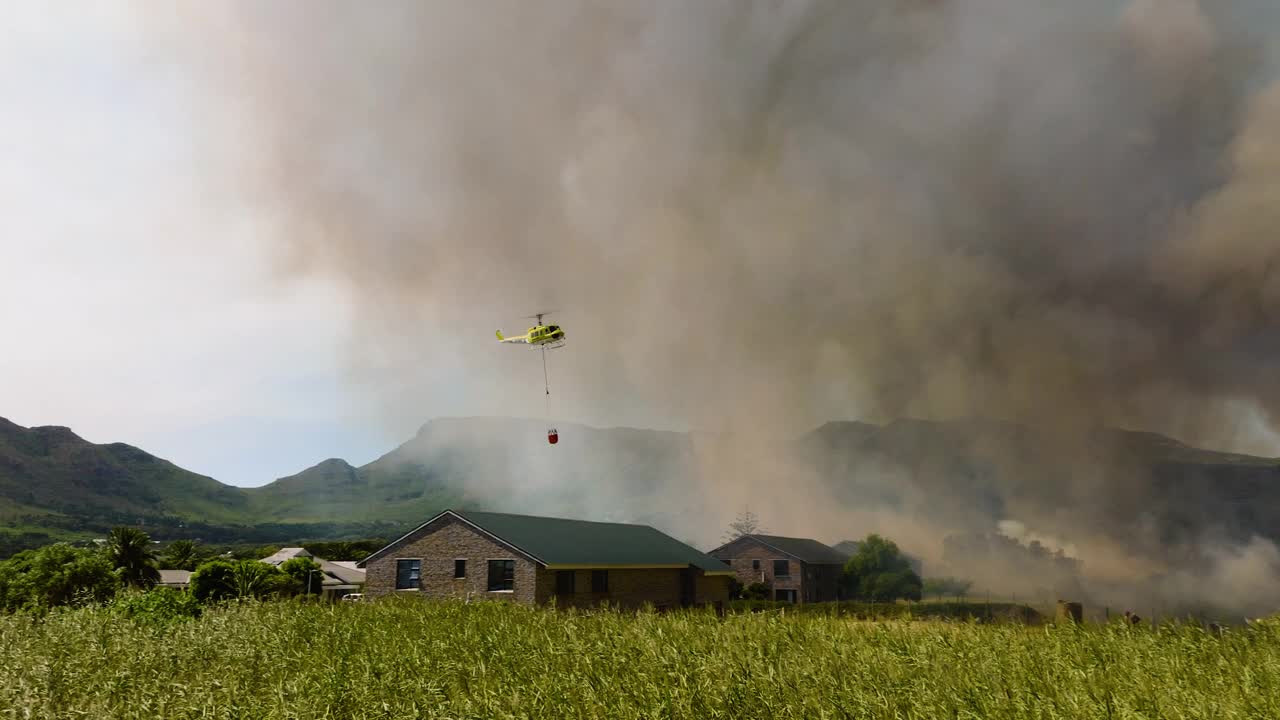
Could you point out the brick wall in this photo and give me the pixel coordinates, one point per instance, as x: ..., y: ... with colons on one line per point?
x: 632, y: 589
x: 447, y: 539
x: 740, y: 554
x: 712, y: 589
x: 444, y: 541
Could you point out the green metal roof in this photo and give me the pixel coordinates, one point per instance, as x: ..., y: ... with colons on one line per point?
x: 804, y: 549
x: 563, y: 543
x: 558, y: 541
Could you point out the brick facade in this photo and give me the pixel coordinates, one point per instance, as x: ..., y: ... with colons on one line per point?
x: 810, y: 582
x: 437, y: 546
x: 447, y: 539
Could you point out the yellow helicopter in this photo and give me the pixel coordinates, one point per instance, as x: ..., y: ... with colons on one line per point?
x: 543, y: 337
x: 548, y: 336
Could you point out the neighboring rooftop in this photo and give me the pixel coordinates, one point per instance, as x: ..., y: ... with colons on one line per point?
x: 802, y: 549
x: 580, y: 543
x: 344, y: 573
x: 284, y: 555
x: 175, y: 578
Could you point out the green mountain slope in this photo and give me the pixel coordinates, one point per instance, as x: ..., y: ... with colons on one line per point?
x: 51, y: 470
x: 1145, y: 491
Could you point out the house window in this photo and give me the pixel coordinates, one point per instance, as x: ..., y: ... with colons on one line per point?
x: 459, y: 568
x: 564, y: 582
x: 502, y: 575
x: 781, y: 568
x: 408, y: 574
x: 599, y: 581
x: 755, y: 566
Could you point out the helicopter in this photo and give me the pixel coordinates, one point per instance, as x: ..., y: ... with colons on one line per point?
x: 543, y: 337
x: 550, y: 336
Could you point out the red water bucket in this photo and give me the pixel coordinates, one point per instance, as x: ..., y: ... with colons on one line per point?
x: 553, y: 437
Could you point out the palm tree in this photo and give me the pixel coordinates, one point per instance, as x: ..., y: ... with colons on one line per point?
x: 250, y: 578
x: 180, y: 555
x: 129, y: 550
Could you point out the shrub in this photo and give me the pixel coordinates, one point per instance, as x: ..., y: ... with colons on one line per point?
x: 305, y: 573
x: 756, y: 591
x: 56, y: 575
x: 158, y: 605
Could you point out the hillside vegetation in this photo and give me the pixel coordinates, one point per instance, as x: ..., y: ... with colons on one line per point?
x: 411, y: 659
x: 959, y: 475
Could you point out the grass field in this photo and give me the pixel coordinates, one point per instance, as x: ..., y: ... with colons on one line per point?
x: 418, y: 660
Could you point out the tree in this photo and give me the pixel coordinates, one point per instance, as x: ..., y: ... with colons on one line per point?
x: 130, y: 553
x: 181, y: 555
x: 346, y: 550
x: 251, y: 578
x: 745, y: 524
x: 228, y: 579
x: 306, y: 574
x: 878, y: 572
x: 56, y: 575
x: 946, y: 586
x: 212, y: 581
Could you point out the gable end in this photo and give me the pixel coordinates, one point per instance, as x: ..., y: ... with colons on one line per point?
x: 427, y: 526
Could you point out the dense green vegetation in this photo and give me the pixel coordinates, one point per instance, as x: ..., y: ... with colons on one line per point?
x: 963, y: 611
x: 56, y: 486
x: 411, y: 659
x: 62, y: 575
x: 878, y: 572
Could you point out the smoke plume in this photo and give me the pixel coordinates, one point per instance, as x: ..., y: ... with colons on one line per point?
x: 757, y: 216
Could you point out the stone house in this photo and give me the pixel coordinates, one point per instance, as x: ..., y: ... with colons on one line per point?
x: 797, y: 570
x: 527, y: 559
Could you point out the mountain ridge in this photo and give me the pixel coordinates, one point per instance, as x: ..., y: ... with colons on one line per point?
x: 967, y: 471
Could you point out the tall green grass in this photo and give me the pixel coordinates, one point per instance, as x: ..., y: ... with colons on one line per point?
x: 423, y: 660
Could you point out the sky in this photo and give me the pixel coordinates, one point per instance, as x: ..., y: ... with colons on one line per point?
x: 136, y: 306
x: 142, y: 303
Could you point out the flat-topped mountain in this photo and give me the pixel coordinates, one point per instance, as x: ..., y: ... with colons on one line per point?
x: 967, y: 473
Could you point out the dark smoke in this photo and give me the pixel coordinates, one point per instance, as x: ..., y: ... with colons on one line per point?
x: 757, y: 216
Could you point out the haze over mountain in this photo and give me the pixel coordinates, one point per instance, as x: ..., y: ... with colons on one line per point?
x: 1127, y: 504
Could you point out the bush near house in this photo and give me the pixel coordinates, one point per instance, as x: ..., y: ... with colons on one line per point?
x: 157, y: 605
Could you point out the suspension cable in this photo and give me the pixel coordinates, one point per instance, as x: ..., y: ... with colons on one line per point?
x: 546, y: 383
